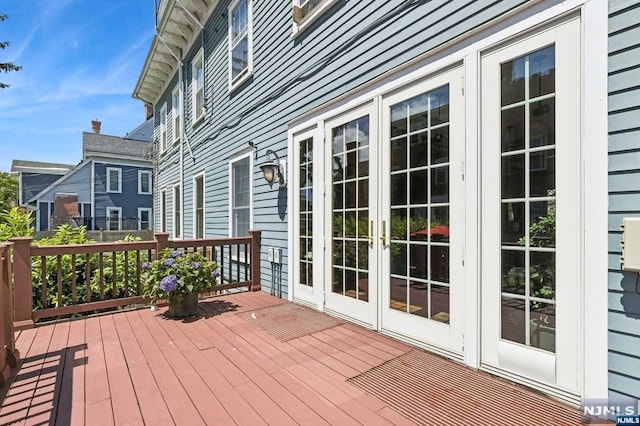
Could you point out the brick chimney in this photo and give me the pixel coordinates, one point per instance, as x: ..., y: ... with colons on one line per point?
x: 148, y: 111
x: 95, y: 125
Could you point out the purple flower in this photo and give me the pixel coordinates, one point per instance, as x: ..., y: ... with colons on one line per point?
x: 169, y: 262
x: 215, y: 273
x: 196, y: 265
x: 146, y: 265
x: 176, y: 253
x: 169, y: 283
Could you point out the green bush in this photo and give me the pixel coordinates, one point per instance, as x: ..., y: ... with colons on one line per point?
x: 15, y: 223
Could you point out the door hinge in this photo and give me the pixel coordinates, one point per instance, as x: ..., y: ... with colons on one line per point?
x: 462, y: 170
x: 462, y: 86
x: 324, y: 189
x: 462, y: 255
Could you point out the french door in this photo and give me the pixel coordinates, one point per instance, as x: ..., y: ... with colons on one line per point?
x: 531, y: 208
x: 422, y: 212
x: 350, y: 206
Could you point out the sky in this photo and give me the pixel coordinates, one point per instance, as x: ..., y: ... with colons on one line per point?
x: 81, y: 60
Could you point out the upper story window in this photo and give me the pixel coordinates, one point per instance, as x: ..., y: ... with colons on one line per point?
x: 305, y: 12
x: 197, y: 86
x: 144, y: 182
x: 163, y: 128
x: 240, y: 42
x: 114, y: 179
x: 175, y: 108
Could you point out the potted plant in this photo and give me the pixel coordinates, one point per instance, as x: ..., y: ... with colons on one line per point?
x: 179, y: 277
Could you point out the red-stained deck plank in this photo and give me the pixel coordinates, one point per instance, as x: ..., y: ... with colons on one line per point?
x: 123, y: 397
x: 97, y: 392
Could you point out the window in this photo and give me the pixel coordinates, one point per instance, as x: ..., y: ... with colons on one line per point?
x: 197, y: 86
x: 163, y: 211
x: 163, y: 128
x: 114, y: 180
x: 305, y: 12
x: 144, y: 182
x: 175, y: 108
x: 114, y: 218
x: 177, y: 212
x: 305, y: 173
x: 144, y: 218
x: 240, y: 188
x: 240, y: 42
x: 198, y: 206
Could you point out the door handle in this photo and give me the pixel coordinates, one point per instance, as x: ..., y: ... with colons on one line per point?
x: 383, y: 236
x: 371, y: 232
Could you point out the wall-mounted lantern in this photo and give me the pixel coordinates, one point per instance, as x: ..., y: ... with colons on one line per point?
x: 274, y: 168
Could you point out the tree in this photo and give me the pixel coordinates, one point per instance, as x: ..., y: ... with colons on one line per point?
x: 8, y: 191
x: 6, y: 66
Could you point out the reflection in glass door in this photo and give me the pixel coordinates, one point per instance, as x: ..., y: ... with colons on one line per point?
x: 350, y: 210
x: 528, y: 199
x: 419, y: 228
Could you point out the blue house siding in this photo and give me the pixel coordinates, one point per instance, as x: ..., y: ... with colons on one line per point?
x: 76, y: 182
x: 624, y: 194
x: 33, y: 183
x: 129, y: 199
x: 351, y: 44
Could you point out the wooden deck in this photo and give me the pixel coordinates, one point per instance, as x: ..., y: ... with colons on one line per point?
x: 137, y: 367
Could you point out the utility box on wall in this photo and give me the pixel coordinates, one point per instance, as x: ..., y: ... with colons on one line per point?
x: 630, y: 244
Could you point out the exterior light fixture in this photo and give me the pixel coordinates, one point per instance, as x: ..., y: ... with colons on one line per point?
x: 274, y: 168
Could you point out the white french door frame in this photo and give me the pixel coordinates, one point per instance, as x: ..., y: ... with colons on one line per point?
x: 468, y: 47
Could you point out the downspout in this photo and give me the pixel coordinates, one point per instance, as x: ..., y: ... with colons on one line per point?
x: 93, y: 195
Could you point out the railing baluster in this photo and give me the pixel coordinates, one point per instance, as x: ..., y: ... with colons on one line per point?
x: 43, y: 278
x: 101, y: 276
x: 74, y: 290
x: 221, y: 264
x: 114, y: 275
x: 87, y: 276
x: 246, y: 262
x: 59, y: 280
x: 238, y: 262
x: 126, y: 274
x: 138, y: 270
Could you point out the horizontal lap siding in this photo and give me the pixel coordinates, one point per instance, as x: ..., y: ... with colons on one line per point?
x: 624, y: 194
x: 78, y: 183
x: 348, y: 46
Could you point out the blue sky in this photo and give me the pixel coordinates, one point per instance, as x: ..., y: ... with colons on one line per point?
x: 81, y: 60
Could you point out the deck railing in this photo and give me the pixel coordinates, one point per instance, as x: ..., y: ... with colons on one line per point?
x: 70, y: 279
x: 8, y: 353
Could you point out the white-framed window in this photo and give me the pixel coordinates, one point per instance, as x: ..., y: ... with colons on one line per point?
x: 114, y: 179
x: 240, y: 42
x: 177, y: 212
x: 114, y: 218
x: 163, y: 128
x: 241, y: 195
x: 144, y: 218
x: 144, y: 182
x: 305, y: 12
x: 197, y: 86
x: 175, y: 111
x: 163, y: 211
x: 198, y: 206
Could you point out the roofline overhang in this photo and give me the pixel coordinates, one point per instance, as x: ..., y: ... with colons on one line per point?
x: 180, y: 22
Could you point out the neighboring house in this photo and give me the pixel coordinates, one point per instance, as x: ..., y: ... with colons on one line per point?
x: 34, y: 176
x: 113, y: 184
x: 444, y: 165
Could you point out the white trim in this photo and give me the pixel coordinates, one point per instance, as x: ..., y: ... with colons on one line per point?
x: 308, y: 20
x: 595, y: 188
x: 197, y: 62
x: 246, y: 73
x: 194, y: 204
x: 140, y: 174
x: 116, y: 162
x: 247, y: 154
x: 163, y: 128
x: 108, y: 180
x: 112, y: 209
x: 176, y: 114
x: 149, y: 210
x: 174, y: 228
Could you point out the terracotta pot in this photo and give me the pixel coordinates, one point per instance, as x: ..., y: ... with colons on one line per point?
x: 188, y: 307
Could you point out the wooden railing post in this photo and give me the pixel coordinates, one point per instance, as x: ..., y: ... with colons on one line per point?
x: 22, y: 287
x: 162, y: 241
x: 8, y: 353
x: 255, y: 259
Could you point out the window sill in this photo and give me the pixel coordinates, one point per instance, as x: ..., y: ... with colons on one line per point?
x: 114, y: 192
x: 144, y: 193
x: 197, y: 121
x: 308, y: 20
x: 239, y: 81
